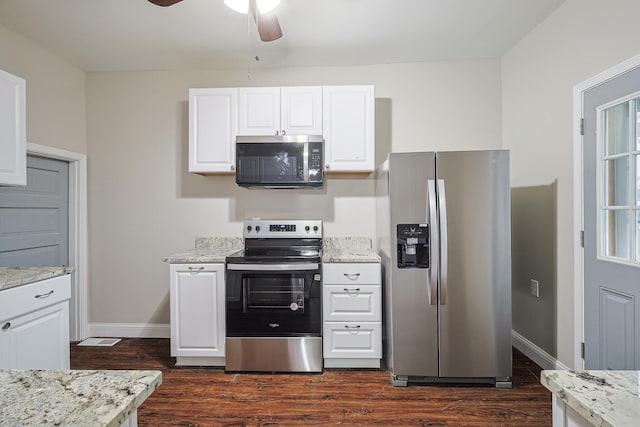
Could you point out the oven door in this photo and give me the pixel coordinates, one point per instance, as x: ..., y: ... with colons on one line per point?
x: 273, y: 300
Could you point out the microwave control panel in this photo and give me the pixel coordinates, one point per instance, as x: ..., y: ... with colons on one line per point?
x: 315, y: 161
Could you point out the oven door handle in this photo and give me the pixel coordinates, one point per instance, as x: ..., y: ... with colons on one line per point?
x: 274, y: 267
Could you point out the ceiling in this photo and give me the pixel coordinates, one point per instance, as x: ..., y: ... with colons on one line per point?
x: 109, y: 35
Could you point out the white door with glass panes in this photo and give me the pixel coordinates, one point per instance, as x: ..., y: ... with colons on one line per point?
x: 295, y: 110
x: 611, y: 174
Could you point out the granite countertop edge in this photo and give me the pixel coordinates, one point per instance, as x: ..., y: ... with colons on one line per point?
x: 604, y: 398
x: 11, y: 277
x: 74, y: 397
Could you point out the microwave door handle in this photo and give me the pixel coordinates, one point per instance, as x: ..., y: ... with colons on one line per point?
x: 434, y: 262
x: 305, y: 161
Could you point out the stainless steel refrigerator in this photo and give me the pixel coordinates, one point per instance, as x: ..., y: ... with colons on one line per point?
x: 444, y: 227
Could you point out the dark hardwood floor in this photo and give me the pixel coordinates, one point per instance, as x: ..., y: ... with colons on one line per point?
x: 209, y: 397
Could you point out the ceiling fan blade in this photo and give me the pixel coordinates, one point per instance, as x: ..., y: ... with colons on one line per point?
x: 267, y: 23
x: 164, y: 2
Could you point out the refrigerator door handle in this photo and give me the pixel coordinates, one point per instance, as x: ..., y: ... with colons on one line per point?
x: 442, y: 207
x: 432, y: 216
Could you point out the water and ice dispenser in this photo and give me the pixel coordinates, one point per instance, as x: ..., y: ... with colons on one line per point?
x: 413, y: 245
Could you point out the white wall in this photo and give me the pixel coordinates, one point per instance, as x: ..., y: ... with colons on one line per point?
x: 579, y: 40
x: 145, y: 205
x: 56, y: 114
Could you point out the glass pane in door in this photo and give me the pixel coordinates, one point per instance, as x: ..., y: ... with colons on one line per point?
x: 617, y: 182
x: 637, y: 102
x: 617, y: 243
x: 616, y: 129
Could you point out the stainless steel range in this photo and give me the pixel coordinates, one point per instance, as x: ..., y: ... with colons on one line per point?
x: 274, y: 298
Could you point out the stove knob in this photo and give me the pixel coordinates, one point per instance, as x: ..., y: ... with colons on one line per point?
x: 249, y: 228
x: 257, y: 228
x: 315, y: 228
x: 306, y: 228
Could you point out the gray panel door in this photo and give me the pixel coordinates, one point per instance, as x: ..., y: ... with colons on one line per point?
x: 34, y: 219
x: 413, y: 317
x: 611, y: 168
x: 475, y: 284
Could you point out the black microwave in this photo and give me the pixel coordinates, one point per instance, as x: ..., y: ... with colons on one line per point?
x: 285, y: 161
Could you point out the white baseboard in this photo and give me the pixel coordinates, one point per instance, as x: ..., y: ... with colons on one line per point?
x: 535, y: 353
x: 130, y: 330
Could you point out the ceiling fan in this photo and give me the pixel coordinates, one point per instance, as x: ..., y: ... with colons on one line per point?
x: 266, y: 21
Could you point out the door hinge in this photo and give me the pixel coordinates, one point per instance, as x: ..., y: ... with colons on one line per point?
x: 582, y: 127
x: 582, y: 238
x: 582, y: 350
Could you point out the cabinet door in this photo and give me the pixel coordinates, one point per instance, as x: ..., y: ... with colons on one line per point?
x: 38, y: 340
x: 301, y: 109
x: 352, y: 340
x: 13, y: 130
x: 348, y: 122
x: 197, y: 310
x: 259, y: 111
x: 352, y: 303
x: 213, y: 127
x: 352, y: 273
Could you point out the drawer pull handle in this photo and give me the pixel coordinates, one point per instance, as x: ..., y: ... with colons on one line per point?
x: 352, y: 329
x: 6, y: 326
x: 43, y: 296
x: 195, y: 270
x: 352, y: 276
x: 352, y: 291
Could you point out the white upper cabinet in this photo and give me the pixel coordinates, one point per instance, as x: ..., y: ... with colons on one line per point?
x: 349, y: 128
x: 301, y: 110
x: 13, y: 130
x: 295, y: 110
x: 213, y: 127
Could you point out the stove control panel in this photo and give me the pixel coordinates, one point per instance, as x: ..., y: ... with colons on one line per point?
x: 274, y: 229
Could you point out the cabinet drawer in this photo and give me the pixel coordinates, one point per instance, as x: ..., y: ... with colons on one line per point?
x: 351, y: 273
x: 352, y: 340
x: 352, y: 303
x: 34, y: 296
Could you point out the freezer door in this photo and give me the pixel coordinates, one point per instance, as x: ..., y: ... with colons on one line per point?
x: 475, y: 286
x: 411, y: 307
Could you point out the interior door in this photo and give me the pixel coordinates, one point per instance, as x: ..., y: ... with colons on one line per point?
x: 611, y: 173
x: 34, y: 220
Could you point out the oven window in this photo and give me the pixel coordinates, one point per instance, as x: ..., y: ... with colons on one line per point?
x: 276, y: 292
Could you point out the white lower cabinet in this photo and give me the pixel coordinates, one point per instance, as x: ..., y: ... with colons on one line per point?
x: 197, y: 314
x: 352, y: 315
x: 34, y: 325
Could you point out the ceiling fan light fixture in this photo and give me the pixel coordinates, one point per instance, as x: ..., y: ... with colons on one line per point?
x: 266, y: 6
x: 242, y: 6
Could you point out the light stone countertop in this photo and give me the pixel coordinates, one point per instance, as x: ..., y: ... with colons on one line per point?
x: 73, y: 398
x: 335, y: 250
x: 604, y: 398
x: 208, y: 250
x: 348, y: 249
x: 11, y: 277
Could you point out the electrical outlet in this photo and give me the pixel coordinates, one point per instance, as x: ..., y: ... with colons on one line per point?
x: 535, y: 288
